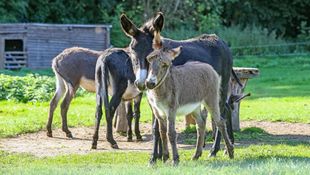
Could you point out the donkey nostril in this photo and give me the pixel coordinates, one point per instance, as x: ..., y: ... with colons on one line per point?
x: 150, y: 84
x: 136, y: 83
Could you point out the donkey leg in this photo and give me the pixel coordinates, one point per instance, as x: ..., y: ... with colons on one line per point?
x: 97, y: 123
x: 201, y: 127
x: 64, y: 109
x: 129, y: 115
x: 137, y: 102
x: 115, y: 101
x: 216, y: 144
x: 228, y: 112
x: 213, y: 107
x: 157, y: 148
x: 173, y: 138
x: 221, y: 124
x: 164, y: 139
x: 60, y: 90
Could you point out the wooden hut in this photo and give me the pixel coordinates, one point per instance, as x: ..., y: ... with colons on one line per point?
x: 34, y: 45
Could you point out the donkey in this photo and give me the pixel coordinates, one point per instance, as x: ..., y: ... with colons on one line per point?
x: 205, y: 48
x: 180, y: 90
x: 74, y: 68
x: 114, y: 75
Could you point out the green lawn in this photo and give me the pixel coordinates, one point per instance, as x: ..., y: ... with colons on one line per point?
x: 281, y: 93
x: 261, y: 159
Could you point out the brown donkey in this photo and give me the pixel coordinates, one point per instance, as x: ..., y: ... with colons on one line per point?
x: 74, y: 68
x: 181, y: 90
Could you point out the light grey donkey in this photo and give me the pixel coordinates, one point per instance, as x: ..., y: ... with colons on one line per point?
x: 181, y: 90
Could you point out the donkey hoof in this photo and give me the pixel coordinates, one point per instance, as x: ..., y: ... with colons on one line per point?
x: 211, y: 155
x: 176, y: 163
x: 231, y: 154
x: 129, y: 139
x: 139, y: 139
x: 195, y: 157
x: 152, y: 162
x: 69, y: 135
x: 165, y: 158
x: 94, y: 147
x: 115, y: 146
x: 49, y: 134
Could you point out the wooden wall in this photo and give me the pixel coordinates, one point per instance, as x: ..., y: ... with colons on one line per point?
x: 8, y: 31
x: 44, y: 41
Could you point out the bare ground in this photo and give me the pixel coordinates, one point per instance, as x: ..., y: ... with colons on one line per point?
x: 39, y: 144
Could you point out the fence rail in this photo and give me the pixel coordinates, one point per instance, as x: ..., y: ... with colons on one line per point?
x: 287, y: 49
x: 15, y: 60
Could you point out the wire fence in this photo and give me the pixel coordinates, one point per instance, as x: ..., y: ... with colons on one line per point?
x: 287, y: 49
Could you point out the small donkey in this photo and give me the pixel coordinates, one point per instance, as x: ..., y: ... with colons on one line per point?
x: 180, y: 90
x: 74, y: 68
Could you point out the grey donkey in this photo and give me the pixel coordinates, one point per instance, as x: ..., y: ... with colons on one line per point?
x: 181, y: 90
x: 74, y: 68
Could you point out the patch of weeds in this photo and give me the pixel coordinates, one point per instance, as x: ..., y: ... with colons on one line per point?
x: 251, y: 133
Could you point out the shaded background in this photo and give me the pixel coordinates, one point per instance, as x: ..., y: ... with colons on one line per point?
x: 240, y: 22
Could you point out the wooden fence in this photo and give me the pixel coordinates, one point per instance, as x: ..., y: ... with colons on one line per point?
x: 15, y: 60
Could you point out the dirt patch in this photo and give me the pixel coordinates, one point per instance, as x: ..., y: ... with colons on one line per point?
x: 40, y: 145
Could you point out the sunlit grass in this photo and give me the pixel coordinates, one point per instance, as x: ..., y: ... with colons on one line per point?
x: 261, y: 159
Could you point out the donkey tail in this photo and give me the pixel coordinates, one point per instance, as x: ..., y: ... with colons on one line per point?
x: 105, y: 81
x: 236, y: 78
x: 57, y: 68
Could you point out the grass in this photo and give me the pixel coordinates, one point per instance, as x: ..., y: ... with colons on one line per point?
x: 279, y: 76
x: 19, y: 118
x: 261, y: 159
x: 280, y: 93
x: 285, y: 109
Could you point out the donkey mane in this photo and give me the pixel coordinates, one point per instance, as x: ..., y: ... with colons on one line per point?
x: 148, y: 26
x: 209, y: 39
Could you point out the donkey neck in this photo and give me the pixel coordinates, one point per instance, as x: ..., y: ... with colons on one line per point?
x: 163, y: 90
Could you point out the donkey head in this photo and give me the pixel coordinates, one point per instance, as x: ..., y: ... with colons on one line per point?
x: 141, y: 44
x: 160, y: 61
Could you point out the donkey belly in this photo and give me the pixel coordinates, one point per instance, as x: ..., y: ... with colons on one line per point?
x: 131, y: 92
x: 88, y: 84
x: 188, y: 108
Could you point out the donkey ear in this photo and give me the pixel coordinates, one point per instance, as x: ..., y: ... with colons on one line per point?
x: 128, y: 27
x: 175, y: 52
x: 158, y: 22
x: 157, y: 44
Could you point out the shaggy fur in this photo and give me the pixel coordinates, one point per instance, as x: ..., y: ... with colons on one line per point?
x: 74, y: 68
x: 181, y: 90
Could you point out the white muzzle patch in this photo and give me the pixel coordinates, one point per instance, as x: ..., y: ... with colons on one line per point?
x: 142, y: 73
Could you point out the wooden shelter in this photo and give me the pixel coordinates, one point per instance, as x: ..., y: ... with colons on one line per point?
x: 34, y: 45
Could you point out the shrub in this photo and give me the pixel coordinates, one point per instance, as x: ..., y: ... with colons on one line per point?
x: 31, y: 87
x: 253, y: 40
x: 28, y: 88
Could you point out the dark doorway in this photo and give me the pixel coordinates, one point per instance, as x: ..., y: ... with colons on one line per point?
x: 12, y: 45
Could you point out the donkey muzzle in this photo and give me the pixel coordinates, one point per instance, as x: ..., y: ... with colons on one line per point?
x: 150, y: 84
x: 140, y: 79
x: 140, y: 85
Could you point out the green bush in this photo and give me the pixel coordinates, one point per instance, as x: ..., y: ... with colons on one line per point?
x: 253, y: 40
x: 31, y: 87
x: 28, y: 88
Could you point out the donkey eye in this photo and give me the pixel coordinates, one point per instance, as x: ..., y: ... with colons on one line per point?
x: 150, y: 58
x: 164, y: 64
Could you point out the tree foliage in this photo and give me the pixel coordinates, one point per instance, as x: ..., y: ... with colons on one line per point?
x: 288, y: 18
